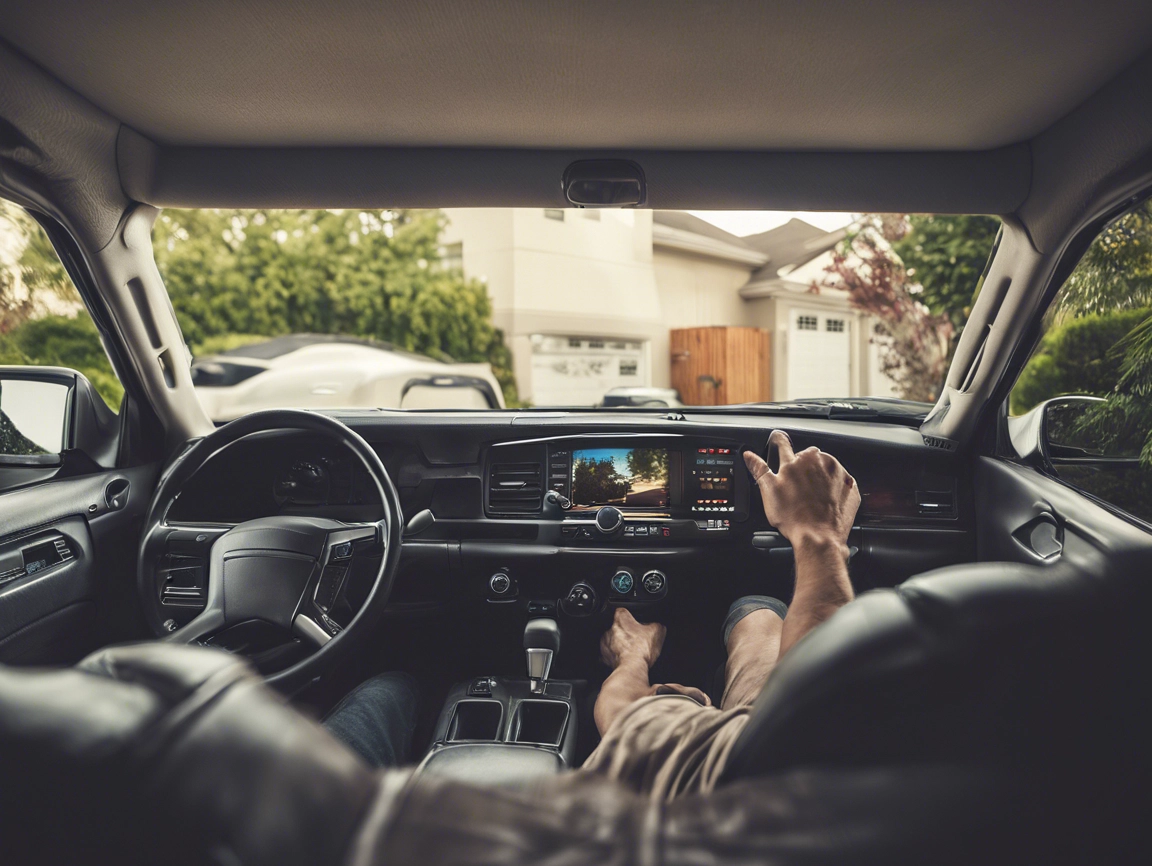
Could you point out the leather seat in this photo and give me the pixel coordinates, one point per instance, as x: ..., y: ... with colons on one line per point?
x: 988, y: 713
x: 1041, y: 669
x: 164, y: 754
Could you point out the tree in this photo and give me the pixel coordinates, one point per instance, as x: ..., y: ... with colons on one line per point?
x: 64, y: 341
x: 945, y: 255
x: 1076, y: 357
x: 596, y: 481
x: 372, y: 274
x: 1116, y: 270
x: 648, y: 464
x: 915, y: 344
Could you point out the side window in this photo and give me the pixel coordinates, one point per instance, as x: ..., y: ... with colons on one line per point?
x: 43, y: 322
x: 1090, y: 377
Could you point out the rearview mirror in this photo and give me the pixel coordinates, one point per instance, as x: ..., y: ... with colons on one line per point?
x: 46, y: 411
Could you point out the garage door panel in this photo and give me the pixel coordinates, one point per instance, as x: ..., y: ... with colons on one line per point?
x: 819, y: 355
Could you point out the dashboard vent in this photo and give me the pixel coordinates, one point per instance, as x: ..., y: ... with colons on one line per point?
x: 185, y: 581
x: 515, y: 488
x: 938, y: 502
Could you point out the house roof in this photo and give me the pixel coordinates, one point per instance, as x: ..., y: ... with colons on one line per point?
x: 783, y: 248
x: 684, y: 221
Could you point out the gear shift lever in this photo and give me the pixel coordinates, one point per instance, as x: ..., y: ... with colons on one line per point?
x: 541, y: 643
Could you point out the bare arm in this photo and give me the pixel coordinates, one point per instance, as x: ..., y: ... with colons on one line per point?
x: 631, y: 648
x: 812, y: 501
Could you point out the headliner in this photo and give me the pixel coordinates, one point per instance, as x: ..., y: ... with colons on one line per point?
x: 731, y: 74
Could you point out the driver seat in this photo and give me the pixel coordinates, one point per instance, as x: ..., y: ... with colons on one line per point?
x: 1043, y: 671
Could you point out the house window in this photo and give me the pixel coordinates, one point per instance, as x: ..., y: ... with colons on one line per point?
x: 452, y: 256
x: 595, y: 344
x: 835, y: 325
x: 805, y: 323
x: 629, y: 366
x: 554, y: 213
x: 574, y: 343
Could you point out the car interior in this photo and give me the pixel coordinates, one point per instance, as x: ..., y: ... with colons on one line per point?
x: 180, y: 600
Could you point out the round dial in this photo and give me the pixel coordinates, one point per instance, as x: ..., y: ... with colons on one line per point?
x: 305, y: 482
x: 499, y: 583
x: 622, y: 582
x: 654, y: 582
x: 609, y: 519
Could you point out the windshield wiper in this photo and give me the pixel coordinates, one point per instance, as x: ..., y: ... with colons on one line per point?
x: 885, y: 410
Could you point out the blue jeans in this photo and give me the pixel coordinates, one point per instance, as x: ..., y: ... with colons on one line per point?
x: 376, y: 719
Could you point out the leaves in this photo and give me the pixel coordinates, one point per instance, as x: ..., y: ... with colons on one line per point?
x: 360, y: 273
x: 915, y: 343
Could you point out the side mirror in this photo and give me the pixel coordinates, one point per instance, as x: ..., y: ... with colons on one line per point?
x: 46, y: 412
x: 1061, y: 431
x: 1069, y: 433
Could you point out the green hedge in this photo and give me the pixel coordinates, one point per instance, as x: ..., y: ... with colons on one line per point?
x: 1076, y: 357
x: 63, y: 341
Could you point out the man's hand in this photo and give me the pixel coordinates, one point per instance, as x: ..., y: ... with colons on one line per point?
x: 628, y: 640
x: 811, y: 498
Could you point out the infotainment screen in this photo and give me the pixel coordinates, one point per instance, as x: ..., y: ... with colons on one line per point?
x: 624, y: 477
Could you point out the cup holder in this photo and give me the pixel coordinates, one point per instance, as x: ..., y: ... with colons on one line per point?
x: 540, y: 722
x: 476, y: 720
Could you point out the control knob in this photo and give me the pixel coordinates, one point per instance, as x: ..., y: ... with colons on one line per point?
x: 580, y: 601
x: 622, y: 581
x: 654, y: 582
x: 499, y: 583
x: 609, y: 519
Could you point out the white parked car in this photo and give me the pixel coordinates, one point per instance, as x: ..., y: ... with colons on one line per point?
x: 323, y: 371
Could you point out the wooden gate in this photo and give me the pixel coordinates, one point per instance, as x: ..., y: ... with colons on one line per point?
x: 714, y: 366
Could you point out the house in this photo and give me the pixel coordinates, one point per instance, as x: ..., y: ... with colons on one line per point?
x: 587, y: 298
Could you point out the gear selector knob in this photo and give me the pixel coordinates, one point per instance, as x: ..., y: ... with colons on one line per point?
x: 541, y: 643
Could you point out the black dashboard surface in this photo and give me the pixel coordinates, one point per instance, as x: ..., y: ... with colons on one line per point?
x: 916, y: 512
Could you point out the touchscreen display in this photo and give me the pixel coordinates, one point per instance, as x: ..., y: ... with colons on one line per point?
x: 624, y: 477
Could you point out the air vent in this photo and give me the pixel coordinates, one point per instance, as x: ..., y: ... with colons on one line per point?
x: 515, y: 488
x: 183, y: 596
x: 936, y: 502
x: 185, y: 583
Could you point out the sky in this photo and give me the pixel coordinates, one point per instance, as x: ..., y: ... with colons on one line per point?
x: 749, y: 222
x: 618, y: 456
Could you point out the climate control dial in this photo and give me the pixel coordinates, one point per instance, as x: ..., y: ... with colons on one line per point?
x: 654, y: 582
x: 622, y: 581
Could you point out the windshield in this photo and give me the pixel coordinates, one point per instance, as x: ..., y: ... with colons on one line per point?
x: 534, y: 308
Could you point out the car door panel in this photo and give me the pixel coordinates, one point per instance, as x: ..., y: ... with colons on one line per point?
x: 67, y: 562
x: 1025, y: 516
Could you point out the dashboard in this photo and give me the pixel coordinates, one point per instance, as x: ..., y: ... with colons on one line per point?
x: 569, y: 512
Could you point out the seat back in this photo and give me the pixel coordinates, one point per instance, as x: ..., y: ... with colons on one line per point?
x: 1024, y: 666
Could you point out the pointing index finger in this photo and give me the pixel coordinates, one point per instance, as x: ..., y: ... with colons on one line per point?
x: 783, y: 444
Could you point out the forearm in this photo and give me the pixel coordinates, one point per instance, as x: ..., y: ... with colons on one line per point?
x: 822, y: 586
x: 627, y: 683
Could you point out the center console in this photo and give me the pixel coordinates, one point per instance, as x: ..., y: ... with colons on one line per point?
x: 627, y: 489
x: 617, y: 510
x: 494, y: 730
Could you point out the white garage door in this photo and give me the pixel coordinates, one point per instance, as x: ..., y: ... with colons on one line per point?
x: 577, y: 371
x: 819, y: 355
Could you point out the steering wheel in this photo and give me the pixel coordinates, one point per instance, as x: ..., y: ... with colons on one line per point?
x: 285, y: 570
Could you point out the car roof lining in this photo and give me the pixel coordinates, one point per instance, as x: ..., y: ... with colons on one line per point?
x: 62, y: 152
x: 648, y: 74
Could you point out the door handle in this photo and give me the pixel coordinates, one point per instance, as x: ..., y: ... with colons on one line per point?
x: 1042, y: 537
x: 116, y: 493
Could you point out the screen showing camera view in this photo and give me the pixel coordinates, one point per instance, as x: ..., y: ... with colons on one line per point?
x: 626, y: 477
